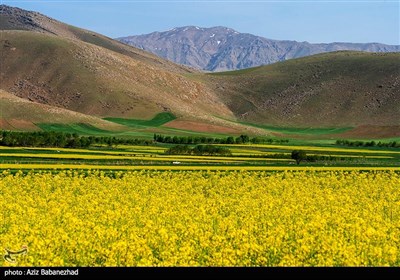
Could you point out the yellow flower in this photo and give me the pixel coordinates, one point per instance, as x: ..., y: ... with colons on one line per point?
x: 201, y: 218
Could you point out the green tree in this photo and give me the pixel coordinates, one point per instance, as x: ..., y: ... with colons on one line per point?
x: 299, y: 156
x: 230, y: 140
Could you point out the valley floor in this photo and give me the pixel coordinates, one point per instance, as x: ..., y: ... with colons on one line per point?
x: 243, y: 156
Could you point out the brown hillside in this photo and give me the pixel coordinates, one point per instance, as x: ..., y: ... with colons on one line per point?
x: 328, y: 90
x: 13, y: 18
x: 20, y: 114
x: 45, y: 61
x: 92, y: 80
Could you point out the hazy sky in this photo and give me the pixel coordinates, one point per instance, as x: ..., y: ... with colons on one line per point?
x: 317, y: 21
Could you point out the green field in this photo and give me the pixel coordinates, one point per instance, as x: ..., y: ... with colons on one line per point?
x: 305, y: 131
x: 243, y: 156
x: 158, y: 120
x: 80, y: 128
x: 134, y: 128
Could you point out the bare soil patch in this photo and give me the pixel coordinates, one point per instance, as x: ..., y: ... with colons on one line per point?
x: 5, y: 125
x: 17, y: 124
x: 371, y: 131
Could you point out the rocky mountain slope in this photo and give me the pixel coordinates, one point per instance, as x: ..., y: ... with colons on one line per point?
x: 221, y: 48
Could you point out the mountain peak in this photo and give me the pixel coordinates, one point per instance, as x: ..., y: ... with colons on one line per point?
x: 221, y: 48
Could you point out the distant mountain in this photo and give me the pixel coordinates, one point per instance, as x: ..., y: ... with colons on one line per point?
x: 221, y: 48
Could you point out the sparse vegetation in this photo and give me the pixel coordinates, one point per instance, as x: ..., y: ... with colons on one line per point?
x: 284, y: 96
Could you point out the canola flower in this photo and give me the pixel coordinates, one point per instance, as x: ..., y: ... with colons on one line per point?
x: 112, y: 157
x: 126, y: 151
x: 202, y: 218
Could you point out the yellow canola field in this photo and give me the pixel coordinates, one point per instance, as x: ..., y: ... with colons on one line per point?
x: 224, y: 158
x: 202, y: 218
x: 90, y: 151
x: 111, y: 157
x: 248, y: 151
x: 40, y: 166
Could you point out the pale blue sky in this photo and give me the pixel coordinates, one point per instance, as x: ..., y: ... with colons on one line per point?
x: 318, y: 21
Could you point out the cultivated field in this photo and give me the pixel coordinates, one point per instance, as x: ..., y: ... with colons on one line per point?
x: 133, y: 205
x: 202, y: 218
x: 246, y: 156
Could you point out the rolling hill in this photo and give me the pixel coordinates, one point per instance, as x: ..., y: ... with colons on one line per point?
x: 333, y: 89
x: 55, y: 73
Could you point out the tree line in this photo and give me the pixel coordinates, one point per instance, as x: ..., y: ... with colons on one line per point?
x: 300, y: 156
x: 199, y: 150
x: 392, y: 144
x: 73, y: 140
x: 242, y: 139
x: 61, y: 140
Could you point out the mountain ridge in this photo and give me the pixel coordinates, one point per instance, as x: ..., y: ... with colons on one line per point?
x: 223, y: 49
